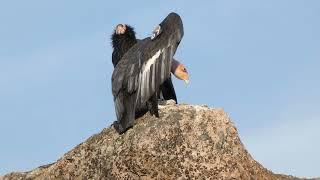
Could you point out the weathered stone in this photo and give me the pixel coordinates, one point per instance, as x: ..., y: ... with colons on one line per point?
x: 186, y: 142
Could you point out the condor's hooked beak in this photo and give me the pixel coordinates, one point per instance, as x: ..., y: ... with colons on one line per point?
x: 180, y: 71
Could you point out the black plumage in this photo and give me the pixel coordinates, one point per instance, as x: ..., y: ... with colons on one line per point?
x: 137, y: 77
x: 167, y: 91
x: 121, y: 44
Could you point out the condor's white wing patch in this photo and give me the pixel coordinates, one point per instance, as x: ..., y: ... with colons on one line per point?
x: 153, y: 73
x: 149, y: 74
x: 151, y: 61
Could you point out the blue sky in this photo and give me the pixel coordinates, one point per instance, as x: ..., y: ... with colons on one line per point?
x: 259, y: 60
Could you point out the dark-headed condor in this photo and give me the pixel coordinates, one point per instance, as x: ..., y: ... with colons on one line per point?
x: 137, y: 77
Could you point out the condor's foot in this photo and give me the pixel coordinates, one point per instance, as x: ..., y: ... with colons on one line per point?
x: 119, y: 128
x: 153, y: 106
x: 155, y: 112
x: 153, y: 109
x: 163, y: 102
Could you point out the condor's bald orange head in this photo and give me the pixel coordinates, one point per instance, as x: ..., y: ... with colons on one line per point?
x: 179, y: 71
x: 120, y: 29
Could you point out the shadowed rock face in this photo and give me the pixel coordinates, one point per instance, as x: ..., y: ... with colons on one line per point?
x: 186, y: 142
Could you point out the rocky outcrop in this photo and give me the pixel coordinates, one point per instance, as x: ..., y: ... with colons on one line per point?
x: 186, y: 142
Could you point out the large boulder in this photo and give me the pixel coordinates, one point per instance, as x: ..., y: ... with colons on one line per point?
x: 186, y: 142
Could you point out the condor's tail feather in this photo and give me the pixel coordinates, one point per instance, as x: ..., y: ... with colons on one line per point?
x: 125, y: 111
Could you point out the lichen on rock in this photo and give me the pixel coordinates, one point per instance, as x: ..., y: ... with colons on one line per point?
x: 186, y: 142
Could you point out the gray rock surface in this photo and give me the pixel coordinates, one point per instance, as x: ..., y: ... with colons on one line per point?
x: 186, y: 142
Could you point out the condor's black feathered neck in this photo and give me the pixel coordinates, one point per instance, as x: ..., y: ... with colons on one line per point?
x: 123, y: 41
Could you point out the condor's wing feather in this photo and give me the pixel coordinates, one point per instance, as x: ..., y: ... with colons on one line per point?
x: 154, y: 71
x: 125, y: 75
x: 146, y: 65
x: 145, y: 72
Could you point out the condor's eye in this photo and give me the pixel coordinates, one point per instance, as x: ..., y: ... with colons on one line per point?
x: 184, y: 69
